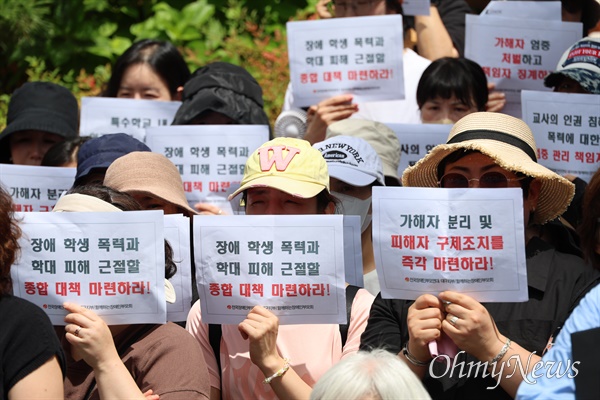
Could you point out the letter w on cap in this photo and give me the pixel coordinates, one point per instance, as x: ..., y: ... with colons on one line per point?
x: 281, y: 163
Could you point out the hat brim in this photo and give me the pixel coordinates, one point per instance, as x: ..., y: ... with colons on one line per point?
x: 163, y: 195
x: 556, y: 192
x: 588, y: 80
x: 290, y: 185
x: 39, y: 121
x: 352, y: 176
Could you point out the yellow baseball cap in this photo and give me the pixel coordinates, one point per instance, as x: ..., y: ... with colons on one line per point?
x: 287, y: 164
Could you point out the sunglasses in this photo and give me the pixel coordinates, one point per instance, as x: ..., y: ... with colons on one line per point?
x: 487, y: 180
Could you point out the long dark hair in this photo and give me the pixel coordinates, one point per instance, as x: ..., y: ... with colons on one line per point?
x: 458, y: 77
x: 588, y: 228
x: 162, y: 57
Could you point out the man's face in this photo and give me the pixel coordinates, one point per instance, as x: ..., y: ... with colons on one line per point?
x: 359, y: 8
x: 269, y: 201
x: 568, y: 85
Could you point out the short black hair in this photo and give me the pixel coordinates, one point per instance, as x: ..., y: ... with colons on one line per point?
x: 458, y: 77
x: 162, y: 57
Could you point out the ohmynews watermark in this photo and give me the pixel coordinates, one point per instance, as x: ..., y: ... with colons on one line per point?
x: 500, y: 370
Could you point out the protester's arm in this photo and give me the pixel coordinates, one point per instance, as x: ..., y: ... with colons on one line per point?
x: 475, y: 332
x: 94, y: 343
x: 45, y: 382
x: 260, y: 328
x: 327, y: 112
x: 433, y: 39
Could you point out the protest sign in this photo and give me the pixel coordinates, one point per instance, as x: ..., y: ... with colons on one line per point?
x: 210, y: 158
x: 545, y: 10
x: 416, y: 140
x: 360, y: 55
x: 293, y: 265
x: 517, y: 54
x: 104, y: 115
x: 177, y: 233
x: 428, y: 240
x: 35, y: 188
x: 111, y: 263
x: 353, y: 264
x: 566, y: 127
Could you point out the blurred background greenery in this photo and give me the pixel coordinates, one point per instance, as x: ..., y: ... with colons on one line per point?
x: 73, y: 43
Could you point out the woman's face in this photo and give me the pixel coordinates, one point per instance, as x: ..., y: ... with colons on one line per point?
x: 444, y: 111
x: 474, y: 165
x: 268, y: 201
x: 141, y: 82
x: 29, y: 147
x: 360, y: 192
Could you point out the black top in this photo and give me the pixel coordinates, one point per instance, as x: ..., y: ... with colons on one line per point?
x: 27, y: 341
x: 556, y: 281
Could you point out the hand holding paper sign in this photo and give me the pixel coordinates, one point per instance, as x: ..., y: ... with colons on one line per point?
x: 90, y: 337
x: 328, y: 111
x: 424, y: 320
x: 260, y: 327
x: 470, y: 326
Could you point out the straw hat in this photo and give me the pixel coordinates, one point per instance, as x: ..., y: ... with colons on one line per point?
x: 150, y: 173
x: 509, y: 142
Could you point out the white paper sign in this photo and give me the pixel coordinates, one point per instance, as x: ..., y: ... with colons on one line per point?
x: 359, y: 55
x: 353, y: 251
x: 416, y: 140
x: 103, y: 115
x: 177, y: 233
x: 544, y: 10
x: 517, y: 54
x: 210, y: 158
x: 292, y: 265
x: 111, y: 263
x: 416, y: 7
x: 428, y: 240
x: 35, y: 188
x: 566, y: 127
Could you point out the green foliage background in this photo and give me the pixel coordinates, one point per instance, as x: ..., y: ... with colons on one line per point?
x: 74, y: 42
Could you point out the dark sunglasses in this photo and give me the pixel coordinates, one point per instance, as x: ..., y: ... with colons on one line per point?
x: 487, y: 180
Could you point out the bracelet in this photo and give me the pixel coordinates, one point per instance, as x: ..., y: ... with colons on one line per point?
x: 283, y: 370
x: 412, y: 358
x: 502, y: 352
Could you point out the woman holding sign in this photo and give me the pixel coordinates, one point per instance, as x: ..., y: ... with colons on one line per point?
x: 32, y: 363
x: 258, y: 358
x: 122, y: 361
x: 489, y: 150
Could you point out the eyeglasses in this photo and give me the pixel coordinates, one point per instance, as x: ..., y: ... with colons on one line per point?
x: 487, y: 180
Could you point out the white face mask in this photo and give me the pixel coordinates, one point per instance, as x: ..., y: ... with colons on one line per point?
x: 354, y: 206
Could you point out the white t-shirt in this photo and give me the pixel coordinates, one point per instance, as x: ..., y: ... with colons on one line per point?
x: 393, y: 111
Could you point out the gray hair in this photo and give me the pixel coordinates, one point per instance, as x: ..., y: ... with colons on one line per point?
x: 376, y: 375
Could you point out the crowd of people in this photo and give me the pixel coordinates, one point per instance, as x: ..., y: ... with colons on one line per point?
x: 384, y: 350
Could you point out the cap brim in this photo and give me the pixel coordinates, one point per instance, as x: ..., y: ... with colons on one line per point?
x: 589, y: 80
x: 290, y: 185
x: 352, y: 176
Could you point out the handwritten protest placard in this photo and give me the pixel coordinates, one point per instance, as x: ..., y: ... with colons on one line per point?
x: 566, y: 127
x: 35, y: 188
x: 361, y: 55
x: 292, y: 265
x: 112, y: 263
x: 416, y: 140
x: 177, y: 233
x: 103, y: 115
x: 517, y: 54
x: 210, y: 158
x: 428, y: 240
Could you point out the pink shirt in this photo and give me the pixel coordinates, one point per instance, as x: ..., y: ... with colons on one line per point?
x: 313, y: 349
